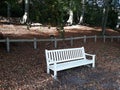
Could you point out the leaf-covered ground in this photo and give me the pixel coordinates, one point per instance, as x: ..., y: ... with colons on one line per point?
x: 25, y: 68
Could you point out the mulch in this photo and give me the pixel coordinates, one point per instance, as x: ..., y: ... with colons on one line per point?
x: 24, y: 68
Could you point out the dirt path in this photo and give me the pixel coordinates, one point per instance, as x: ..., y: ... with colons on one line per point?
x: 20, y: 31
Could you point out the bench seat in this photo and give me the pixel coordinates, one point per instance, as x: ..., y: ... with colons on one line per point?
x: 70, y: 64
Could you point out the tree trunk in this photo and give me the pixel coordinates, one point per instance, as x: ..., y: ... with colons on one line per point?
x: 104, y: 19
x: 118, y: 21
x: 83, y: 11
x: 70, y: 20
x: 8, y: 9
x: 81, y: 17
x: 25, y: 17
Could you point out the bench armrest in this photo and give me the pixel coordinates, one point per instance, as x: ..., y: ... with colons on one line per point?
x: 92, y: 55
x: 89, y: 54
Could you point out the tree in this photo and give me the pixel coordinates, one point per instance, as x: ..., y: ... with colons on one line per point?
x: 105, y: 16
x: 25, y: 17
x: 105, y: 6
x: 116, y: 6
x: 8, y: 8
x: 54, y: 12
x: 83, y: 12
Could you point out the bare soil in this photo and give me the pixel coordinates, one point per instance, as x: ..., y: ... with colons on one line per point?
x: 24, y: 68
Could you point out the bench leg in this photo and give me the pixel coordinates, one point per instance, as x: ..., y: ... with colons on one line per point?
x: 55, y: 75
x: 48, y: 70
x: 93, y: 64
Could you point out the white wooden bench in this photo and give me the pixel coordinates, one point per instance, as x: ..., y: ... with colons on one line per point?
x: 61, y: 59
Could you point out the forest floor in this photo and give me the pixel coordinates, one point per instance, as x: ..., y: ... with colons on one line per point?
x: 24, y: 68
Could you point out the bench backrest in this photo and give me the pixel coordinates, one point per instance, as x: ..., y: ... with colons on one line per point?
x: 62, y: 55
